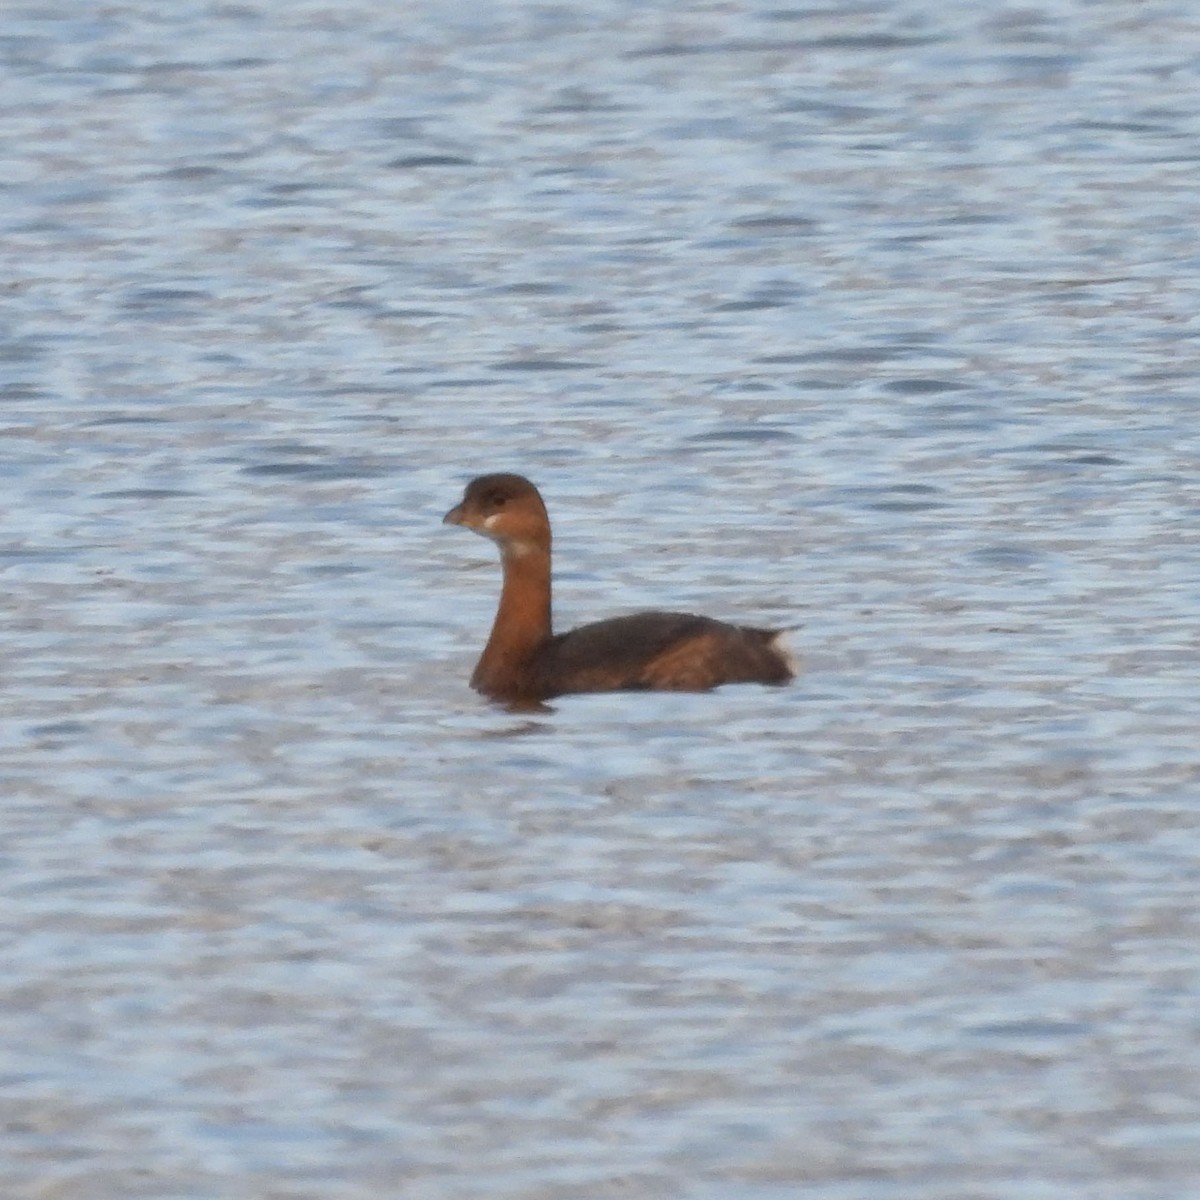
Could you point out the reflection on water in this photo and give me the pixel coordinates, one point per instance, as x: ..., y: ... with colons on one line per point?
x: 876, y: 320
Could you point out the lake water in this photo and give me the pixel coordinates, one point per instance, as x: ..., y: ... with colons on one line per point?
x: 879, y: 319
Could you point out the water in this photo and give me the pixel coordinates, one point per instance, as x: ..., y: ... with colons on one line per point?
x: 877, y: 318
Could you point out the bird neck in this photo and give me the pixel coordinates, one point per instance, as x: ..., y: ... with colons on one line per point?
x: 523, y: 619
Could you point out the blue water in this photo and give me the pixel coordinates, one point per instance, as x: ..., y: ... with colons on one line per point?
x: 877, y: 319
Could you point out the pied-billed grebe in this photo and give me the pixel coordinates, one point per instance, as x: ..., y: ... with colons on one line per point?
x: 525, y: 661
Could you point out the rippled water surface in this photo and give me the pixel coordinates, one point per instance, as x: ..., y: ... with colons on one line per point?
x: 879, y: 319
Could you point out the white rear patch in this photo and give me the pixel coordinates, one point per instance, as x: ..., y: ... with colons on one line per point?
x: 779, y: 643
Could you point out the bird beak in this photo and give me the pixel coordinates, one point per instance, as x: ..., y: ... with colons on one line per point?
x: 454, y: 516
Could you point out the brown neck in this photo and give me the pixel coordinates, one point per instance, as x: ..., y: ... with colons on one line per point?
x: 523, y: 620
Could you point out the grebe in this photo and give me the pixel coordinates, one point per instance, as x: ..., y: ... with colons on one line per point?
x: 525, y: 661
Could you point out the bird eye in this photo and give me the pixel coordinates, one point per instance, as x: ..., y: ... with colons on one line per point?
x: 498, y: 500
